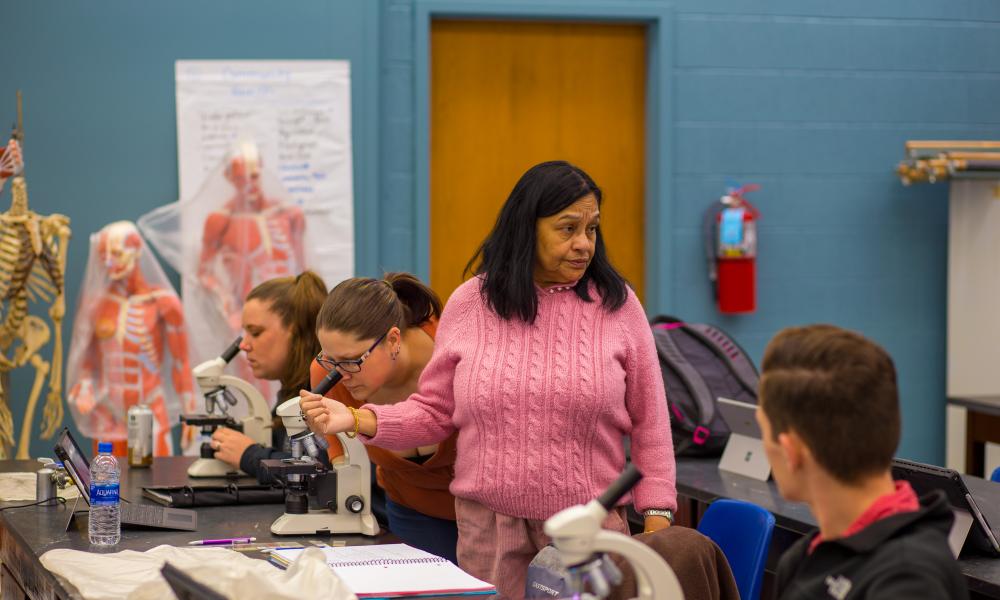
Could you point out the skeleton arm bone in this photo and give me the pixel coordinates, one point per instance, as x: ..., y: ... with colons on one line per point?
x: 55, y: 228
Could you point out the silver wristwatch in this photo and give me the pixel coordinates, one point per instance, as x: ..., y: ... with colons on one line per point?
x: 656, y: 512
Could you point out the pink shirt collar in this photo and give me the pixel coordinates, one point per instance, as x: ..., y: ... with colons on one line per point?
x: 555, y: 289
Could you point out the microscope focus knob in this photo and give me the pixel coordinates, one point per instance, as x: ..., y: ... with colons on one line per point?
x: 355, y: 504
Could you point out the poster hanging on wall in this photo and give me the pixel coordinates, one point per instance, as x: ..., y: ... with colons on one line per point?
x: 295, y: 116
x: 299, y: 115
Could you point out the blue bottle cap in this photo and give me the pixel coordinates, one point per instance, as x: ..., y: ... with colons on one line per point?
x: 103, y: 447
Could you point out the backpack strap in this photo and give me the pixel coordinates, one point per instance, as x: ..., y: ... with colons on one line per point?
x: 731, y: 354
x: 668, y: 352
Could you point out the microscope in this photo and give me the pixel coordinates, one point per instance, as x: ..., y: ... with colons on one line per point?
x: 217, y: 389
x: 576, y: 532
x: 318, y: 499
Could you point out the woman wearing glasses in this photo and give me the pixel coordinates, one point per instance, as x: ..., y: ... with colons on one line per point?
x: 544, y: 362
x: 379, y: 333
x: 279, y: 324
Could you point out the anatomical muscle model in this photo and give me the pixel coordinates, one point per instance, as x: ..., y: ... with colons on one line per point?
x: 238, y: 231
x: 128, y: 335
x: 251, y: 239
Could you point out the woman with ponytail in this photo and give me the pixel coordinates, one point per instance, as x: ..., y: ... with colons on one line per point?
x: 279, y: 324
x: 379, y: 333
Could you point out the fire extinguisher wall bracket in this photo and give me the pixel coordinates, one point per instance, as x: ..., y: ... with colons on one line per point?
x: 731, y: 249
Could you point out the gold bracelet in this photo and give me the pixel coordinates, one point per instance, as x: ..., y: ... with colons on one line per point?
x: 357, y: 423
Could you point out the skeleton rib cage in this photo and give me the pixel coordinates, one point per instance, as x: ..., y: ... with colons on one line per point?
x: 28, y: 271
x: 32, y: 264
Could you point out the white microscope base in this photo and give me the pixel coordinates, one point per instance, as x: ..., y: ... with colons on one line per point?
x: 212, y: 467
x: 320, y: 521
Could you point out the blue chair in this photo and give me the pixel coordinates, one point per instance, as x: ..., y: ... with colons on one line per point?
x: 743, y: 531
x: 996, y: 475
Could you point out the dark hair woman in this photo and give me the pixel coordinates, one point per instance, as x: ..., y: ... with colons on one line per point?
x: 543, y: 362
x: 517, y: 264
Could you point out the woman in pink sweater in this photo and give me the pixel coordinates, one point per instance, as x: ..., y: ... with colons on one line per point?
x: 543, y: 362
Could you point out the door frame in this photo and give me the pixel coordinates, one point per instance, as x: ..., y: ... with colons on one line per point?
x: 659, y: 108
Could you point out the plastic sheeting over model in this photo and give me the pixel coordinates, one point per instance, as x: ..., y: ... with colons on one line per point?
x: 129, y: 341
x: 238, y: 231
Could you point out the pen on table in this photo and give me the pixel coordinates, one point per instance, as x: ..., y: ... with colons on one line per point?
x: 242, y: 540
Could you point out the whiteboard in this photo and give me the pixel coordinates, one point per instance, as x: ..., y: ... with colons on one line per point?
x: 299, y: 114
x: 973, y: 288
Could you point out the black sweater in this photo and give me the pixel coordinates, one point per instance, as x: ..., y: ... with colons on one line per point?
x: 902, y: 556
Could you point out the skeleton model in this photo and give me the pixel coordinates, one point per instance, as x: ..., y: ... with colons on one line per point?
x: 125, y: 331
x: 32, y: 265
x: 253, y: 239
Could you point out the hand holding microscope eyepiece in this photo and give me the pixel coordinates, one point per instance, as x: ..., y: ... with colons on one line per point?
x: 319, y: 499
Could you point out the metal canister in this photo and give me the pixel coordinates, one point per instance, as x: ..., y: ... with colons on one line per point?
x: 140, y: 436
x: 45, y: 484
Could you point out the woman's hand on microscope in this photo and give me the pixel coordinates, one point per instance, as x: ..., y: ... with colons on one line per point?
x: 325, y: 415
x: 229, y: 445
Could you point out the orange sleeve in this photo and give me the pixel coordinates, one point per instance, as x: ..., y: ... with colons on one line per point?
x: 430, y: 327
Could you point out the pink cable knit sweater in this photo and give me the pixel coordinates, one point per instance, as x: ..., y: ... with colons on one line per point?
x: 541, y: 409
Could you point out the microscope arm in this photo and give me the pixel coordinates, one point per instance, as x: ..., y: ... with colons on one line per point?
x: 259, y: 412
x: 577, y: 534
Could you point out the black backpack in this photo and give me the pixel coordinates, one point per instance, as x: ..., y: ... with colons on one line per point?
x: 700, y: 363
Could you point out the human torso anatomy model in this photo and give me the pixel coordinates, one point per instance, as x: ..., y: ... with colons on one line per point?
x: 136, y: 329
x: 251, y: 240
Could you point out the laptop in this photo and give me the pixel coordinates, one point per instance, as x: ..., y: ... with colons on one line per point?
x: 142, y: 515
x: 968, y: 516
x: 744, y: 453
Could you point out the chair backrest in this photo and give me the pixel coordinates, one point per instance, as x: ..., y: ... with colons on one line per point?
x: 996, y: 475
x: 743, y: 532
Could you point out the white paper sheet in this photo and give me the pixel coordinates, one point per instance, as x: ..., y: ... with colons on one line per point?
x: 299, y: 114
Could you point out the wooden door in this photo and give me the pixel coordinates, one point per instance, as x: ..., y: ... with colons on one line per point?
x: 508, y: 95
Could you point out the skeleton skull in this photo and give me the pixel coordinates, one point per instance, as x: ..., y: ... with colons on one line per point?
x: 119, y: 246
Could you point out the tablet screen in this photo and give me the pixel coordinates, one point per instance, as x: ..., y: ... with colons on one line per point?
x: 74, y: 459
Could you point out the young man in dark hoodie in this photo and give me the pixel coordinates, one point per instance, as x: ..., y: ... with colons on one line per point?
x: 829, y: 414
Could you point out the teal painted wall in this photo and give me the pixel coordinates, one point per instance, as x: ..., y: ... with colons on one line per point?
x: 811, y: 99
x: 98, y: 81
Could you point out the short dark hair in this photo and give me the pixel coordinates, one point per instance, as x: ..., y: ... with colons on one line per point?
x: 507, y: 256
x: 367, y: 308
x: 837, y: 390
x: 295, y: 300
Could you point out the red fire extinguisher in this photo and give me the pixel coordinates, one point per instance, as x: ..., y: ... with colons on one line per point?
x: 731, y: 246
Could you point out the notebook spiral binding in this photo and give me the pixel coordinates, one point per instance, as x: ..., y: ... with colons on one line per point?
x: 381, y: 562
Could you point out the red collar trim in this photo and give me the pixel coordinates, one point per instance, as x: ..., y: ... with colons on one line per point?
x: 903, y: 499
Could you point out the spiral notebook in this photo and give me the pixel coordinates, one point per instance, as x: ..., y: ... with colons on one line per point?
x: 392, y: 571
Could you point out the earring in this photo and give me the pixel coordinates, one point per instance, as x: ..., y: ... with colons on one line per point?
x: 395, y: 353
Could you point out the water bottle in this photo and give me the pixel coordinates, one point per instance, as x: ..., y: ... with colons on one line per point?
x: 105, y: 518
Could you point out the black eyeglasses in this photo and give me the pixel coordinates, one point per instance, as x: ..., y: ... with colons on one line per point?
x: 348, y: 366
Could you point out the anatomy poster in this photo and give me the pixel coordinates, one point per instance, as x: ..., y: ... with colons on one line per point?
x: 296, y: 115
